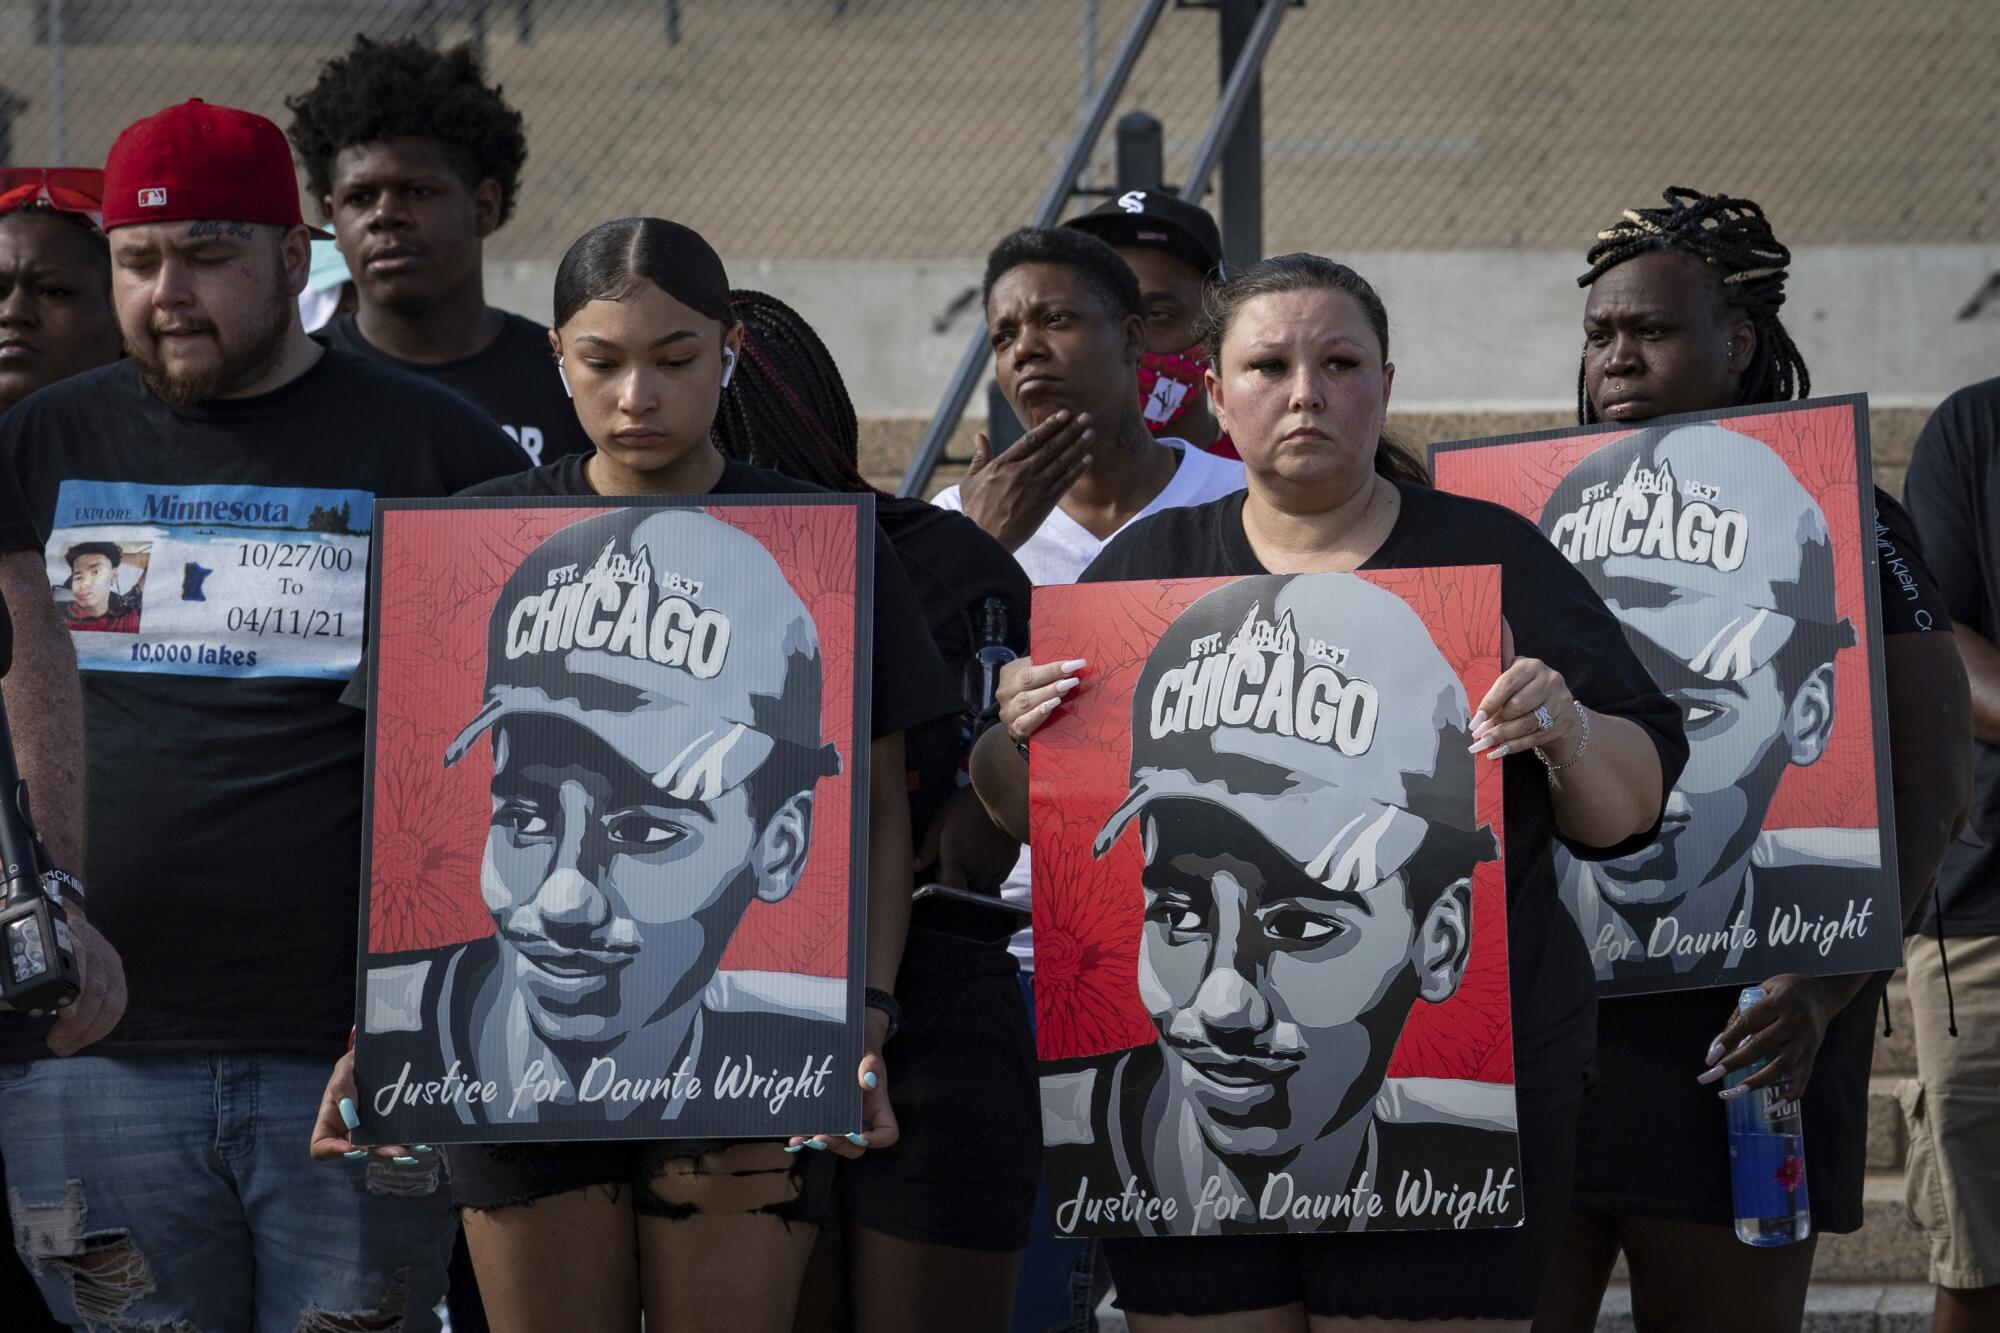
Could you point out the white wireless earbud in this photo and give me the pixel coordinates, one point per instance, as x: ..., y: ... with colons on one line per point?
x: 564, y: 378
x: 728, y: 365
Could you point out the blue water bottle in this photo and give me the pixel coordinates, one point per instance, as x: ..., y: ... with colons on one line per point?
x: 1767, y: 1157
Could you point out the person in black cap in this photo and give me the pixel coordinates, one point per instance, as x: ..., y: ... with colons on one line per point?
x: 1308, y: 865
x: 1300, y: 376
x: 589, y: 1234
x: 1175, y: 251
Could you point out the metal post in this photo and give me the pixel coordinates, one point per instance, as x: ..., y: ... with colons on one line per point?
x: 1089, y: 54
x: 673, y: 17
x: 1243, y: 156
x: 524, y: 22
x: 10, y: 106
x: 1238, y: 92
x: 58, y: 92
x: 973, y: 363
x: 1142, y: 153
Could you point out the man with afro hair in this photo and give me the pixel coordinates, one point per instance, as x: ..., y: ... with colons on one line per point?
x: 416, y: 160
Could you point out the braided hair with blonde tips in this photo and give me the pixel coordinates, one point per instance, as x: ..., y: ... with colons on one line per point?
x: 1732, y: 237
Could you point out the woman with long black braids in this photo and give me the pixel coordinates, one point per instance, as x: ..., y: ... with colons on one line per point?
x: 1682, y: 316
x: 932, y: 1233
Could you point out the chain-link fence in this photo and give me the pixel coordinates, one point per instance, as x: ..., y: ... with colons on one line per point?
x: 922, y: 129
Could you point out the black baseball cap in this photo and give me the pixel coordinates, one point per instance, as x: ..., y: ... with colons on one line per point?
x: 1157, y: 220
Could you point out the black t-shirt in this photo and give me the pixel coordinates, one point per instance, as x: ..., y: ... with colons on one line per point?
x: 1555, y: 616
x: 513, y: 379
x: 1953, y: 491
x: 910, y: 687
x: 17, y: 533
x: 955, y: 568
x: 1650, y: 1047
x: 212, y: 564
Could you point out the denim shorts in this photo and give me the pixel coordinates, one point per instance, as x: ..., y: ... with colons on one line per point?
x: 486, y: 1176
x: 175, y: 1191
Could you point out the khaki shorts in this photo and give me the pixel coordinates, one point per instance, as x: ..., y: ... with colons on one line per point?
x: 1952, y: 1108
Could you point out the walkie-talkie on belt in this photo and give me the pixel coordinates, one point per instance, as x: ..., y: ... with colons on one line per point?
x: 40, y: 974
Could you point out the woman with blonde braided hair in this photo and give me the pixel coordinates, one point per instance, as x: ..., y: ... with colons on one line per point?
x: 1682, y: 316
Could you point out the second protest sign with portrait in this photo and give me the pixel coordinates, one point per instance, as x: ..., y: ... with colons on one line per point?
x: 1270, y: 913
x: 1738, y: 551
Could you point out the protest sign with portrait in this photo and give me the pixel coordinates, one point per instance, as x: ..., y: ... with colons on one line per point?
x: 1270, y: 908
x: 1738, y: 550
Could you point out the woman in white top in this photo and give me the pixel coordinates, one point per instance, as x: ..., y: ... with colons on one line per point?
x: 1068, y: 327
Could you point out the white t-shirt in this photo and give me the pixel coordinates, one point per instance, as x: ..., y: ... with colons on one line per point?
x: 1063, y: 548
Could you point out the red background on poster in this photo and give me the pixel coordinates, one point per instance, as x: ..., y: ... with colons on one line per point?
x: 1088, y: 911
x: 1818, y: 445
x: 440, y: 572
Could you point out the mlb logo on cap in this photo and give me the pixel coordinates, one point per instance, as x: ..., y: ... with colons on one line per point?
x: 153, y: 198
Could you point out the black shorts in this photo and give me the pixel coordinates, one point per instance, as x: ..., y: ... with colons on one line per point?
x: 485, y: 1176
x: 1491, y: 1274
x: 962, y: 1080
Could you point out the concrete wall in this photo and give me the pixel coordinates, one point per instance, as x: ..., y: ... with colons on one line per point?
x: 1472, y: 331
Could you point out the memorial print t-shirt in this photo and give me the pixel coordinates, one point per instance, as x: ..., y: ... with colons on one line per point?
x: 512, y: 379
x: 212, y: 566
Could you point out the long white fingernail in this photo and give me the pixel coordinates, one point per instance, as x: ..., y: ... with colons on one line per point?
x: 1050, y: 706
x: 1066, y: 685
x: 1074, y: 665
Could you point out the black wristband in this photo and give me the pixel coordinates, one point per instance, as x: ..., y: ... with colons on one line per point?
x: 883, y: 1000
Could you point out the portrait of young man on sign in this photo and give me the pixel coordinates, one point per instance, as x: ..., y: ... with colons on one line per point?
x: 1316, y: 863
x: 1731, y: 549
x: 660, y: 749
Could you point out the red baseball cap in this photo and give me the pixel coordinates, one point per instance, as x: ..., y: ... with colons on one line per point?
x: 196, y: 161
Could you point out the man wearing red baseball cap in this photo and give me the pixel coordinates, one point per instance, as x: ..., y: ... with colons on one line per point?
x: 236, y: 463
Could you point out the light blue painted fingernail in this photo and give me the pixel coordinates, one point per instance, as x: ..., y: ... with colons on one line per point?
x: 819, y: 1144
x: 869, y: 1081
x: 420, y: 1147
x: 857, y: 1140
x: 794, y: 1147
x: 358, y: 1152
x: 348, y: 1114
x: 404, y: 1161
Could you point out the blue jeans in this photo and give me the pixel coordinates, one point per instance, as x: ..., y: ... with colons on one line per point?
x: 175, y: 1193
x: 1054, y: 1291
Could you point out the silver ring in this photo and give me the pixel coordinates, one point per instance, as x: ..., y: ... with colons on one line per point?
x: 1542, y: 718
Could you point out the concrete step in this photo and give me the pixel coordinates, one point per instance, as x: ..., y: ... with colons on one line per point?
x: 1831, y: 1307
x: 1896, y: 1053
x: 1886, y: 1249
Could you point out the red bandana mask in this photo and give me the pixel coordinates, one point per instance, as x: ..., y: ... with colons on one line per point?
x: 1170, y: 386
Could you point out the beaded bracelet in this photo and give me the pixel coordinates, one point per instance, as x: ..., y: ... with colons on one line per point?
x: 1583, y: 720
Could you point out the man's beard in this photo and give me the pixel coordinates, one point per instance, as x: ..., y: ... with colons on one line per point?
x: 236, y: 365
